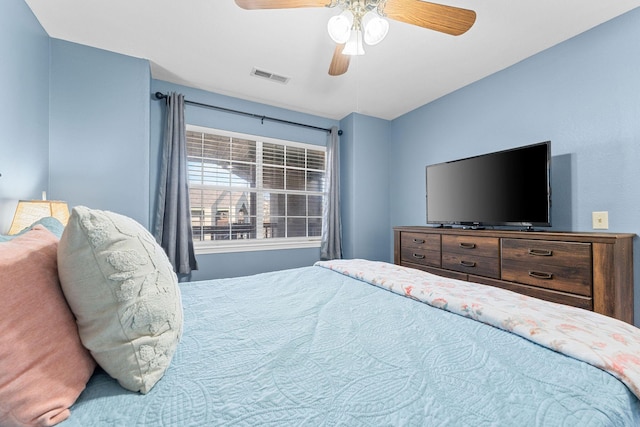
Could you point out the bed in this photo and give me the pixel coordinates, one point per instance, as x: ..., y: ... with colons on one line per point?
x: 364, y: 343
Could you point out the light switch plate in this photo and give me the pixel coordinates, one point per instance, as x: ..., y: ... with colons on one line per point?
x: 600, y: 220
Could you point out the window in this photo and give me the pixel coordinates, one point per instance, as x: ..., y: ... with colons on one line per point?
x: 248, y: 192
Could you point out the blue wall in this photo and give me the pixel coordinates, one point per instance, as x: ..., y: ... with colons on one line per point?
x: 583, y: 95
x: 238, y: 263
x: 99, y: 129
x: 364, y: 168
x: 24, y: 108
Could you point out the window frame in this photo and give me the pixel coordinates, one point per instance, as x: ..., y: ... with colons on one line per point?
x: 260, y: 244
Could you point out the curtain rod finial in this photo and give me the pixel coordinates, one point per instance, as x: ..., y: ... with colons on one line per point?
x: 160, y: 95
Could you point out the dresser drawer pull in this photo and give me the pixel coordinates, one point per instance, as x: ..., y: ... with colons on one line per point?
x: 467, y: 245
x: 418, y: 256
x: 467, y: 263
x: 420, y: 241
x: 538, y: 275
x: 540, y: 252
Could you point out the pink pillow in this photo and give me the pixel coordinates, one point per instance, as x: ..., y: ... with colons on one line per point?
x: 43, y: 365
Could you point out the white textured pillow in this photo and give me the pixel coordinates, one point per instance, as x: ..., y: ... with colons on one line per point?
x: 122, y: 289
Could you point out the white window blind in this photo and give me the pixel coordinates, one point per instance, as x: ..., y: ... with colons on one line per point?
x: 253, y: 192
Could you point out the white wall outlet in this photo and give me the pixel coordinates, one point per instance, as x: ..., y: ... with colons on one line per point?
x: 600, y: 220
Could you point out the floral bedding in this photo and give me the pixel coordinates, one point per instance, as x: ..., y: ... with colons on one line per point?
x: 604, y: 342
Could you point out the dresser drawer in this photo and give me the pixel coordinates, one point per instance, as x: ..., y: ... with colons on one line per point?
x: 420, y: 256
x: 429, y: 242
x: 537, y: 292
x: 471, y: 264
x: 561, y: 266
x: 471, y: 245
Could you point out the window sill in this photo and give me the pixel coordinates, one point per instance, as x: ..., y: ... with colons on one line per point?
x: 253, y: 245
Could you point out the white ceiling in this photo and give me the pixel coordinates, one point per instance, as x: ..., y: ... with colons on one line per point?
x: 213, y: 45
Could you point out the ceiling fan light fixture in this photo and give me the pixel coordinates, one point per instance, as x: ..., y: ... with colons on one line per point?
x: 375, y: 28
x: 354, y: 44
x: 339, y: 27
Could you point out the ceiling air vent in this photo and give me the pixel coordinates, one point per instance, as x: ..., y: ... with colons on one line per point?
x: 270, y: 76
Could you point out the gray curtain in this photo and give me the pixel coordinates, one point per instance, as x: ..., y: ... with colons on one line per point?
x: 173, y: 217
x: 331, y: 245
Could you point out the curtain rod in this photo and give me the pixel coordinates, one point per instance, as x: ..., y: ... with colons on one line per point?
x: 160, y: 95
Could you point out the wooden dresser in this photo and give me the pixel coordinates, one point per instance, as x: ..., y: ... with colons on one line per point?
x: 593, y: 271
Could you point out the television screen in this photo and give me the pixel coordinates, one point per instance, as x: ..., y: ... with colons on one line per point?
x: 510, y: 187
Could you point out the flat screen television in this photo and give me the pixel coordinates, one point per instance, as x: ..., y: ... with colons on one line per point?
x: 504, y: 188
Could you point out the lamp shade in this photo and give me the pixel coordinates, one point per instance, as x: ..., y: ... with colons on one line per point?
x: 30, y: 211
x: 354, y: 45
x: 339, y: 27
x: 375, y: 28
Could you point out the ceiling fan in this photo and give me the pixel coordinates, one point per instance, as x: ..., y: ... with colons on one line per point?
x: 364, y: 20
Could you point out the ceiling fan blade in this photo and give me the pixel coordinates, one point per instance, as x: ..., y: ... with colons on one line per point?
x: 438, y: 17
x: 339, y: 62
x: 280, y: 4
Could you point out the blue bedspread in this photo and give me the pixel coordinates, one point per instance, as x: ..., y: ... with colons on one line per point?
x: 312, y: 347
